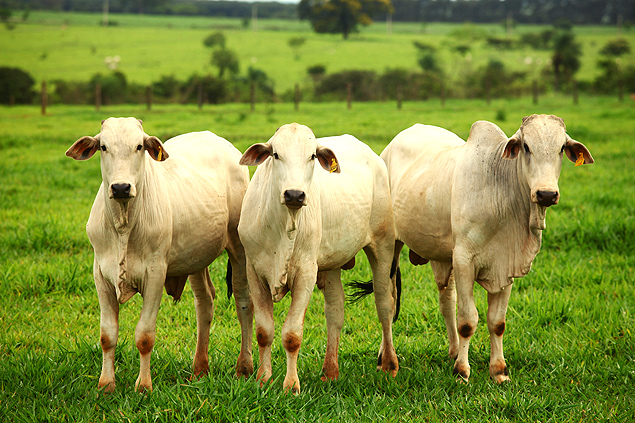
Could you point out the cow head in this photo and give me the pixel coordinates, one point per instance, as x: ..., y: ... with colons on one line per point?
x: 293, y: 150
x: 539, y: 144
x: 122, y: 142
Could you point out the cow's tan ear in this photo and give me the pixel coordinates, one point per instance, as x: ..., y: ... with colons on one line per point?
x: 513, y: 146
x: 256, y: 154
x: 577, y: 152
x: 155, y: 148
x: 84, y: 148
x: 327, y: 159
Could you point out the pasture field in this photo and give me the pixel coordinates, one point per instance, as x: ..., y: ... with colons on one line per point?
x: 73, y: 47
x: 569, y: 340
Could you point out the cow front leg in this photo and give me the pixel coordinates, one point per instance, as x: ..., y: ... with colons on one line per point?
x: 109, y: 329
x: 496, y: 311
x: 204, y: 294
x: 145, y: 331
x: 263, y: 314
x: 467, y: 313
x: 447, y: 303
x: 293, y: 327
x: 334, y: 312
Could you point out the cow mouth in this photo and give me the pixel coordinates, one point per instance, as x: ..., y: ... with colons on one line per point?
x: 294, y: 205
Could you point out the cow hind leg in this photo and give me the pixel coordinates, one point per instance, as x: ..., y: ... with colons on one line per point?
x: 244, y: 308
x: 204, y: 295
x: 496, y: 311
x: 263, y: 314
x: 334, y: 312
x: 380, y: 258
x: 447, y: 303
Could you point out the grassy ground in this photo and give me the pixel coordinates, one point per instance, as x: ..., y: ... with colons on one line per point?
x: 569, y: 342
x: 72, y: 46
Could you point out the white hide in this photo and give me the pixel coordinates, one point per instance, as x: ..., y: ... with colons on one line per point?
x: 474, y: 205
x: 288, y: 249
x: 180, y: 214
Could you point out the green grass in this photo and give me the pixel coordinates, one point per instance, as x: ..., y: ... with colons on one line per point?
x: 569, y: 339
x: 71, y: 46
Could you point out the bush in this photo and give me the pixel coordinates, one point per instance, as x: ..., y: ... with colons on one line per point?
x: 113, y: 87
x: 16, y: 86
x: 334, y: 86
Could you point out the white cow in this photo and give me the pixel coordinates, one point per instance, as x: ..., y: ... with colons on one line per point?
x: 476, y: 210
x: 301, y: 223
x: 155, y: 222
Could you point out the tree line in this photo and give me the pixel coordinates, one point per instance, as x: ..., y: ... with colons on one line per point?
x: 609, y: 12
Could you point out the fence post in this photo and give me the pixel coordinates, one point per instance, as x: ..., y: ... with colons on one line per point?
x: 349, y: 95
x: 44, y: 98
x: 98, y: 96
x: 149, y: 97
x: 399, y: 96
x: 252, y: 95
x: 575, y: 92
x: 296, y: 97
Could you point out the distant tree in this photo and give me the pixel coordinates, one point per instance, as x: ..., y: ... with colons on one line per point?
x: 16, y: 86
x: 616, y: 48
x: 216, y: 39
x: 565, y: 58
x: 225, y: 60
x: 613, y: 70
x: 316, y: 72
x: 296, y: 43
x: 341, y: 16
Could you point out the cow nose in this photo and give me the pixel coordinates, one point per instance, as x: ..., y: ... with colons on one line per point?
x: 294, y: 199
x: 120, y: 190
x: 547, y: 198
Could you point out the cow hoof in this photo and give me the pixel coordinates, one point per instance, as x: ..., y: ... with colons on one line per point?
x: 292, y: 388
x: 143, y: 387
x: 500, y: 379
x: 244, y: 370
x: 462, y: 373
x: 330, y: 374
x: 106, y: 387
x: 499, y: 374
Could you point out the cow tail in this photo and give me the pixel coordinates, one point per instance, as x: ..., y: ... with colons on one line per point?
x: 228, y: 280
x: 396, y: 272
x: 359, y: 291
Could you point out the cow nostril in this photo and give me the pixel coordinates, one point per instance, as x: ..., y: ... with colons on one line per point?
x: 301, y: 197
x: 547, y: 198
x: 294, y: 198
x: 120, y: 190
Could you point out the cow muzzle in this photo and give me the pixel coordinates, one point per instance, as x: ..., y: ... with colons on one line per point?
x: 546, y: 198
x: 294, y: 199
x: 122, y: 191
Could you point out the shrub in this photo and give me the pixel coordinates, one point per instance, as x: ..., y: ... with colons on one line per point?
x: 363, y: 83
x: 16, y: 86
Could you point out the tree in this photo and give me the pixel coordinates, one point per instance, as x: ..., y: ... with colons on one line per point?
x: 566, y: 56
x: 16, y: 86
x: 341, y: 16
x: 225, y: 60
x: 217, y: 39
x: 295, y: 43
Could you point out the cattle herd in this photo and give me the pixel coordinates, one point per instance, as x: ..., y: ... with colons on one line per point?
x: 475, y: 210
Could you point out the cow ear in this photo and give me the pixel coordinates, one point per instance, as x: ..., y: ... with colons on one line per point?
x: 155, y: 148
x: 327, y: 159
x: 577, y: 152
x: 513, y: 146
x: 84, y: 148
x: 256, y: 154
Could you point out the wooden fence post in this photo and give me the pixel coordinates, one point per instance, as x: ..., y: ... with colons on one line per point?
x: 149, y: 97
x: 98, y: 96
x: 252, y: 95
x: 44, y: 98
x: 399, y: 96
x: 296, y: 97
x: 349, y: 95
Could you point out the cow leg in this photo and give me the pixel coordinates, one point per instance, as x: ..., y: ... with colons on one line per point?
x: 496, y: 311
x: 334, y: 312
x: 447, y: 302
x: 109, y: 329
x: 294, y: 323
x: 263, y: 313
x: 380, y: 259
x: 244, y: 308
x: 204, y: 295
x: 467, y: 314
x: 146, y: 329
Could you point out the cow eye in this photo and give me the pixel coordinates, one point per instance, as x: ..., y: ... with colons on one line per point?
x: 562, y: 149
x: 275, y: 156
x: 313, y: 156
x: 139, y: 147
x: 103, y: 148
x: 526, y: 149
